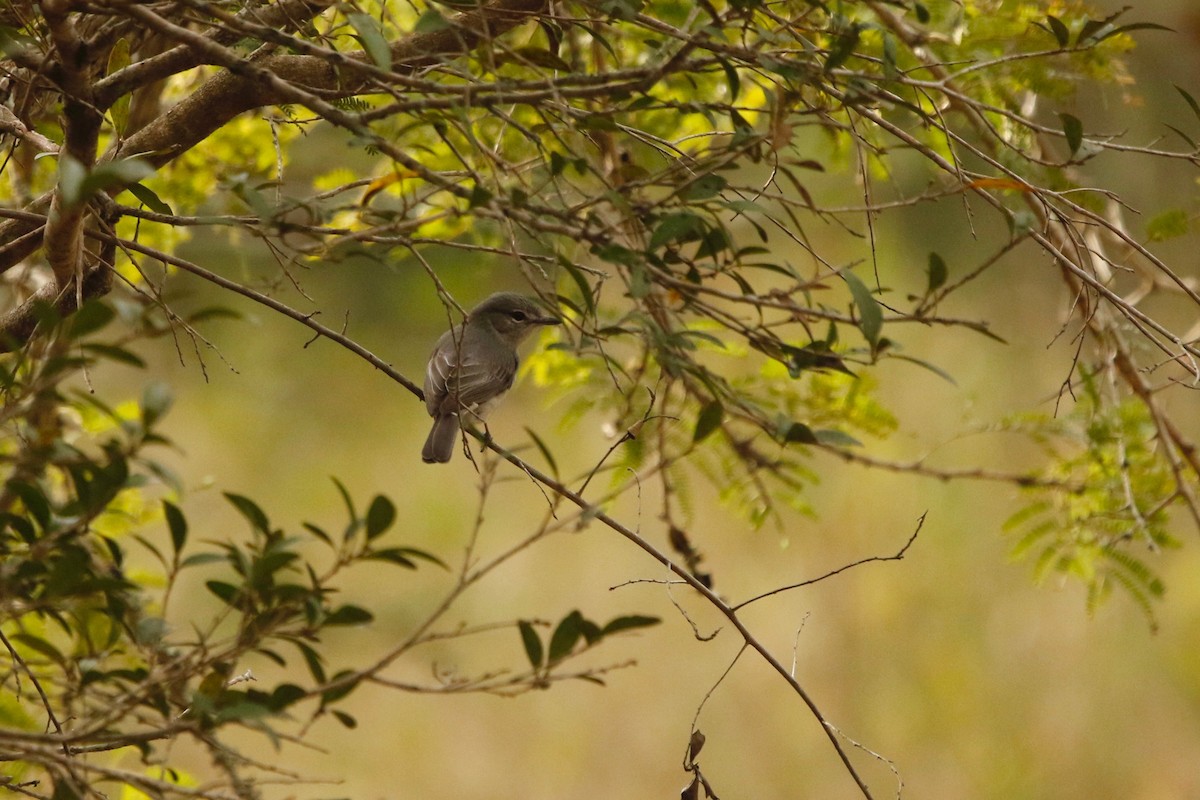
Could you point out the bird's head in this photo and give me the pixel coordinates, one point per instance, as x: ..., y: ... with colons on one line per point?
x: 513, y: 316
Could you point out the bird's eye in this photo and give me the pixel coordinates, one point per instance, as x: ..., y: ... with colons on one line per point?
x: 518, y: 316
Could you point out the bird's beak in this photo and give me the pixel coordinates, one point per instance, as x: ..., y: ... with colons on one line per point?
x: 548, y: 319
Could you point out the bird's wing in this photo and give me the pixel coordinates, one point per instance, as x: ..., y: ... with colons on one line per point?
x: 451, y: 382
x: 476, y: 382
x: 439, y: 371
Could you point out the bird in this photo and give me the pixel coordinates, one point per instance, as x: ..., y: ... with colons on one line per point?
x: 473, y: 365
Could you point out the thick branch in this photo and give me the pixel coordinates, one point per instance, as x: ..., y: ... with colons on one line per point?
x: 227, y: 95
x: 81, y: 133
x: 285, y: 16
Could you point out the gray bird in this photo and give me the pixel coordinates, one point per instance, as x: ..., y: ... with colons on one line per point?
x: 474, y: 364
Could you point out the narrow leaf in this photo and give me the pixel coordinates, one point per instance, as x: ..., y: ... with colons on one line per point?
x: 151, y: 200
x: 118, y: 59
x: 798, y: 432
x: 1073, y: 130
x: 1133, y: 26
x: 532, y: 643
x: 250, y: 510
x: 870, y: 315
x: 708, y: 420
x: 628, y: 623
x: 349, y: 615
x: 177, y: 525
x: 370, y: 35
x: 705, y: 187
x: 675, y: 227
x: 430, y: 22
x: 1061, y: 33
x: 565, y: 636
x: 937, y: 272
x: 585, y: 288
x: 1191, y: 101
x: 836, y: 438
x: 71, y: 175
x: 545, y: 451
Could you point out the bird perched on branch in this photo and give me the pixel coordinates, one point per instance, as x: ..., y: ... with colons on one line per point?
x: 474, y: 364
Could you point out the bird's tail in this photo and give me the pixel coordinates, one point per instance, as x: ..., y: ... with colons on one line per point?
x: 440, y: 444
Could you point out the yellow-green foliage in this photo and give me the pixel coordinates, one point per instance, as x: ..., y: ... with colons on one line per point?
x: 1113, y: 489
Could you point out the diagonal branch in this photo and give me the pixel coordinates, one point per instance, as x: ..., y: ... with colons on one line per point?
x: 227, y: 94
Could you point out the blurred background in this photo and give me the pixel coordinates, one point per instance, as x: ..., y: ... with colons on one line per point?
x: 952, y: 663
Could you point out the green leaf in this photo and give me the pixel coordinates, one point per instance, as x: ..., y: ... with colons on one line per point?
x: 585, y: 288
x: 250, y: 510
x: 797, y: 432
x: 149, y: 198
x: 938, y: 272
x: 34, y: 500
x: 196, y: 559
x: 1191, y: 101
x: 177, y: 525
x: 1169, y: 224
x: 1073, y: 130
x: 71, y: 175
x: 479, y: 196
x: 540, y: 57
x: 430, y: 22
x: 705, y: 187
x: 313, y: 660
x: 91, y: 317
x: 545, y: 451
x: 1089, y: 29
x: 381, y: 515
x: 227, y: 592
x: 870, y: 315
x: 64, y: 790
x: 370, y: 35
x: 111, y: 175
x: 565, y: 636
x: 676, y: 227
x: 284, y: 695
x: 118, y: 59
x: 731, y: 79
x: 628, y: 623
x: 39, y: 645
x: 936, y: 370
x: 343, y: 688
x: 349, y: 615
x: 814, y: 356
x: 836, y: 438
x: 156, y: 400
x: 532, y: 643
x: 890, y: 53
x: 353, y: 525
x: 1133, y: 26
x: 843, y: 48
x: 114, y: 353
x: 344, y: 718
x: 708, y: 420
x: 1062, y: 34
x: 403, y: 556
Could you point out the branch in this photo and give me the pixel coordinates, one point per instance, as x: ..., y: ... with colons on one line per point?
x: 243, y: 87
x: 726, y: 610
x: 81, y: 132
x: 899, y: 555
x: 269, y: 81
